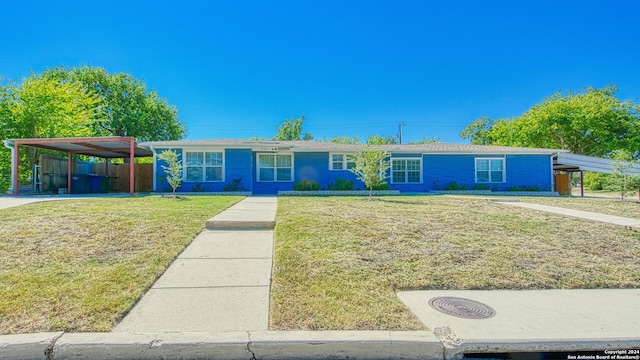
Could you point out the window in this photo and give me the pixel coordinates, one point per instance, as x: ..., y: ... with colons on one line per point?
x: 342, y: 161
x: 490, y: 170
x: 405, y: 171
x: 204, y: 166
x: 275, y: 167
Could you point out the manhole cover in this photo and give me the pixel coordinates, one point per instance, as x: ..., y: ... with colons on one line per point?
x: 462, y: 308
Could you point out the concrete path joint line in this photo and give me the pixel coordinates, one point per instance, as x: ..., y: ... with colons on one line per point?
x: 210, y: 287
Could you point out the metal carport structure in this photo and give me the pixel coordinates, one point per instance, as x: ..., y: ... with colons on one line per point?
x: 565, y: 161
x: 111, y: 147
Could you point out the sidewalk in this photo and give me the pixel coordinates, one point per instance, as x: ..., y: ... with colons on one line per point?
x: 617, y: 220
x: 220, y: 282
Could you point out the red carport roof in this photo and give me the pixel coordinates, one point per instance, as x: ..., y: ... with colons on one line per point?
x: 104, y: 147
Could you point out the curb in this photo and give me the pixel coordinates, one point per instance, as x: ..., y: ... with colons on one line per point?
x: 279, y: 345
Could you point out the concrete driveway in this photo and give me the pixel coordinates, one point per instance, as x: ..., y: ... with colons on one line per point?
x: 12, y: 201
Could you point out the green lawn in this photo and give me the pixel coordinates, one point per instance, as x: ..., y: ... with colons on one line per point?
x: 79, y: 265
x: 340, y: 260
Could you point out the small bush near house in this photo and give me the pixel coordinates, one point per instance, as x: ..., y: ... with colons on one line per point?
x: 306, y: 185
x: 524, y: 188
x: 481, y: 187
x: 382, y: 187
x: 453, y: 185
x: 234, y: 185
x: 341, y: 185
x: 198, y: 187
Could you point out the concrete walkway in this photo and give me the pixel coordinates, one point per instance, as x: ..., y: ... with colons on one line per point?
x: 618, y: 220
x: 220, y: 282
x: 534, y: 320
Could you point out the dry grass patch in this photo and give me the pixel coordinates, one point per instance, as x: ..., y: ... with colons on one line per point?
x: 339, y: 261
x: 610, y: 206
x: 79, y: 265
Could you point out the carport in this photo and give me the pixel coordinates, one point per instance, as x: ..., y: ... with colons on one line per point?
x: 114, y: 147
x: 580, y: 163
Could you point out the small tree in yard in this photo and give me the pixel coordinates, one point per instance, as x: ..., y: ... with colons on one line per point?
x: 371, y: 166
x: 174, y: 169
x: 622, y: 163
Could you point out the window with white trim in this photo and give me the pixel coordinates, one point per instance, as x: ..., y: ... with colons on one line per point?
x: 275, y: 167
x: 204, y: 166
x: 342, y: 161
x: 406, y: 171
x: 490, y: 170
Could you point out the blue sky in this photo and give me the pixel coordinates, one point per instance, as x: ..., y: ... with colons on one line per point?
x: 238, y: 69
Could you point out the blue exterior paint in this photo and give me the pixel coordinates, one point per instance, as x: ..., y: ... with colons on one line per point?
x: 521, y: 170
x: 438, y: 170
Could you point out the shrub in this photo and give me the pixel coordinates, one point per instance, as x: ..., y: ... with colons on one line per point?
x: 306, y: 185
x: 197, y: 187
x: 481, y: 187
x: 341, y: 185
x: 381, y: 187
x: 234, y: 185
x: 523, y: 188
x: 453, y: 185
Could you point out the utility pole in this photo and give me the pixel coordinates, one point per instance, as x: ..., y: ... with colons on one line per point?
x: 400, y: 131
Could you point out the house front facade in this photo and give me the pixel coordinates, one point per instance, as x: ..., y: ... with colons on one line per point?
x: 268, y: 167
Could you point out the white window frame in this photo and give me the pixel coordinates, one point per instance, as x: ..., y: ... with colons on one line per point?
x: 344, y: 161
x: 275, y: 172
x: 185, y: 166
x: 406, y: 170
x: 504, y: 170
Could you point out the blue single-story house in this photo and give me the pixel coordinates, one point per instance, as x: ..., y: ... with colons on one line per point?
x: 267, y: 167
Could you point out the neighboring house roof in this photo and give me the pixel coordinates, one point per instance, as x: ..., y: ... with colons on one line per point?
x: 302, y: 145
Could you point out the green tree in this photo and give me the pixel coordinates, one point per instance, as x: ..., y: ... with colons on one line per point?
x: 292, y: 130
x: 173, y: 168
x: 345, y: 140
x: 126, y: 107
x: 591, y: 122
x: 371, y: 167
x: 376, y: 139
x: 41, y: 106
x: 622, y: 163
x: 479, y: 131
x: 425, y: 140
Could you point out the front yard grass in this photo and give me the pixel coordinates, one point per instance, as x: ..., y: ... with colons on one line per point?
x: 79, y: 265
x: 340, y: 260
x: 610, y: 206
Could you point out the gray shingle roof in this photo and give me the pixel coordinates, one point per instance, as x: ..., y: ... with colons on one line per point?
x: 301, y: 145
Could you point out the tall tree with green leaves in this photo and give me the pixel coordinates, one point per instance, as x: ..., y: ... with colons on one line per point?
x: 127, y: 107
x: 40, y: 107
x: 590, y: 122
x: 371, y: 167
x: 292, y: 130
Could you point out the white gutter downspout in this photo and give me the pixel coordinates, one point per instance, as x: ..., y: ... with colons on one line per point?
x: 6, y: 144
x: 154, y: 166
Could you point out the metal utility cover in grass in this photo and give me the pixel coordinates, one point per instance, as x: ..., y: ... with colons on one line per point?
x: 461, y: 307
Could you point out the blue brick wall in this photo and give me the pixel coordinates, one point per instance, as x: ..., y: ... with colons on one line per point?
x: 521, y: 170
x: 438, y: 172
x: 237, y: 163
